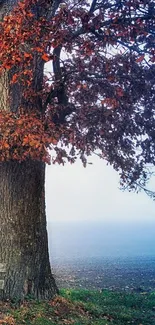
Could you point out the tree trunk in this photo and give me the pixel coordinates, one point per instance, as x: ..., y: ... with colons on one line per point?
x: 24, y: 260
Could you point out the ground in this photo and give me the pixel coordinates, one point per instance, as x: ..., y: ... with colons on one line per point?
x: 83, y: 307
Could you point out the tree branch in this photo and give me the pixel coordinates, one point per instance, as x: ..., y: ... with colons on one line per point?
x: 53, y: 8
x: 59, y: 90
x: 109, y: 22
x: 93, y: 5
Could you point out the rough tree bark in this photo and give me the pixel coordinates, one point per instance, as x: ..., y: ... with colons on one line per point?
x: 24, y: 260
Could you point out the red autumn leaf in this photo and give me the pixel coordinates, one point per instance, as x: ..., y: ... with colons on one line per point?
x: 45, y: 57
x: 26, y: 140
x: 120, y: 92
x: 28, y: 55
x: 38, y: 49
x: 140, y: 59
x: 5, y: 145
x: 7, y: 66
x: 14, y: 78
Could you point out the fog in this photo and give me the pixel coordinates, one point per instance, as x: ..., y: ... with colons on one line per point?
x: 88, y: 216
x: 74, y: 193
x: 72, y: 240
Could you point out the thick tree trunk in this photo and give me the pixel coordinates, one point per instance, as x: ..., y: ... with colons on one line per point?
x: 24, y: 260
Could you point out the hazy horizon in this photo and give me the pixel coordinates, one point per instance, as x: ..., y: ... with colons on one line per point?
x: 72, y: 240
x: 89, y: 216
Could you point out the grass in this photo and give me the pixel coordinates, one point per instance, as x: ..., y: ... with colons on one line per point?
x: 83, y: 307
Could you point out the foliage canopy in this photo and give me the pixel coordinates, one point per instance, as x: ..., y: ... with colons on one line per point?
x: 97, y: 91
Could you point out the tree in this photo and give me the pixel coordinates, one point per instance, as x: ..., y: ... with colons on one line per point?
x: 76, y: 77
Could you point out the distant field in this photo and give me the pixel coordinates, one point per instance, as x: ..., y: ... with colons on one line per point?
x: 103, y: 255
x: 83, y: 307
x: 135, y: 274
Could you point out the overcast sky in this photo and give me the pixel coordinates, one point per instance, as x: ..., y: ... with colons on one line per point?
x: 75, y: 193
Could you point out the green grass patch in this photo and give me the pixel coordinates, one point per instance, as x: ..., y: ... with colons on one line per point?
x: 84, y: 307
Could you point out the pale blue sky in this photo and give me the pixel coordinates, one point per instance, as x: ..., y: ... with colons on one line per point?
x: 77, y: 193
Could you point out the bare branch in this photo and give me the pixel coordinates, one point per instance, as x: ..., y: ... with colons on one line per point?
x: 93, y: 5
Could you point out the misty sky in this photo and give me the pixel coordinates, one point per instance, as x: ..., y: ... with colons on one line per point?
x: 77, y: 193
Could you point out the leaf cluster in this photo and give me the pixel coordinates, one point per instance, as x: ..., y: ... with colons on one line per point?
x: 98, y: 94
